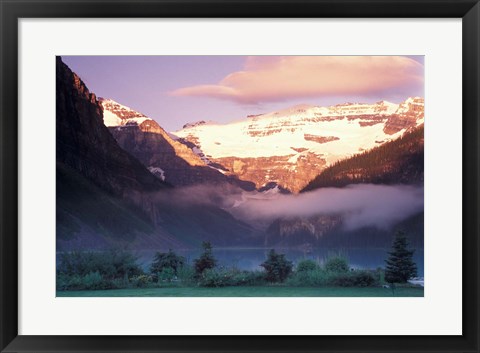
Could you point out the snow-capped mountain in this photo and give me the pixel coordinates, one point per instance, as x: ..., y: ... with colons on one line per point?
x: 122, y: 118
x: 116, y: 114
x: 168, y: 159
x: 294, y: 145
x: 289, y: 147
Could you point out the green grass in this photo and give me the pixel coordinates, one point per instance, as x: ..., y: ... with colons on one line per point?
x: 266, y: 291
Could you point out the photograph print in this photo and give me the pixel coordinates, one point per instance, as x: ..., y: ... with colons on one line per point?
x: 240, y: 176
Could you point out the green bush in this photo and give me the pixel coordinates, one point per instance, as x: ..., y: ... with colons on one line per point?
x: 94, y: 280
x: 62, y: 282
x: 379, y: 275
x: 96, y: 270
x: 186, y: 275
x: 312, y: 278
x: 109, y: 264
x: 354, y: 279
x: 91, y: 281
x: 166, y: 260
x: 247, y: 278
x: 214, y: 278
x: 337, y: 264
x: 141, y: 281
x: 307, y: 265
x: 65, y: 282
x: 334, y: 273
x: 277, y: 267
x: 167, y: 274
x: 230, y: 278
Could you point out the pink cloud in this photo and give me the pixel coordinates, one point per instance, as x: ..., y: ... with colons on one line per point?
x: 276, y: 78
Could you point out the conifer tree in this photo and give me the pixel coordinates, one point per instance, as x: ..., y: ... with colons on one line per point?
x: 206, y: 260
x: 277, y: 267
x: 400, y: 265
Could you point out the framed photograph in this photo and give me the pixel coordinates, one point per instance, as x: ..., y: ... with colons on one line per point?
x: 239, y: 176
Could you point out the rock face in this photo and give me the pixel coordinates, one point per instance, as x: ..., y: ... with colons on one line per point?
x: 275, y: 169
x: 168, y: 159
x: 300, y: 231
x: 327, y: 231
x: 102, y: 191
x: 86, y: 145
x: 121, y: 119
x: 406, y: 116
x: 291, y: 146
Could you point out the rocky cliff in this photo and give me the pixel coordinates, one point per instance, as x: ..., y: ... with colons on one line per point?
x: 327, y: 231
x: 86, y: 145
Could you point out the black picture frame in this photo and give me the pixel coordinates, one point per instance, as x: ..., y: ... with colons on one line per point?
x: 11, y: 11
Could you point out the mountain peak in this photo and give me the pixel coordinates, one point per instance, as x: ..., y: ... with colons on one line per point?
x: 197, y: 123
x: 116, y: 114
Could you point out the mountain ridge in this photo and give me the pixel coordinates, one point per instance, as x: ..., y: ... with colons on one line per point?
x: 172, y: 161
x: 400, y: 161
x: 292, y: 146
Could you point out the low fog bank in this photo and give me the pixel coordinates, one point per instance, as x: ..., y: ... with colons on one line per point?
x: 361, y: 205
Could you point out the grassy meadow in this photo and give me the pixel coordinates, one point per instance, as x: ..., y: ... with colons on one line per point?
x: 261, y: 291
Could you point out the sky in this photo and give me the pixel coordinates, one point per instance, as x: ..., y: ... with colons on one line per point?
x: 175, y: 90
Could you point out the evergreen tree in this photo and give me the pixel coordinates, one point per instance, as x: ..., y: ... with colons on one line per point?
x: 400, y: 265
x: 277, y: 267
x: 206, y: 260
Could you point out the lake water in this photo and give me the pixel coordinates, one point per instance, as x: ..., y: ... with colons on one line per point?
x: 250, y: 259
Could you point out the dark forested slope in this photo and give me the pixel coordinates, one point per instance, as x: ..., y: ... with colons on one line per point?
x: 396, y: 162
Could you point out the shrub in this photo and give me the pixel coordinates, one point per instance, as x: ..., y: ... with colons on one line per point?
x: 124, y: 264
x: 75, y: 282
x: 93, y: 280
x: 354, y: 279
x: 206, y: 260
x: 141, y: 281
x: 96, y: 270
x: 214, y: 278
x: 379, y: 275
x: 186, y: 275
x: 63, y: 282
x: 109, y: 264
x: 307, y: 265
x: 247, y: 278
x: 337, y: 264
x: 277, y: 267
x: 166, y: 275
x: 232, y: 277
x: 166, y: 260
x: 312, y: 278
